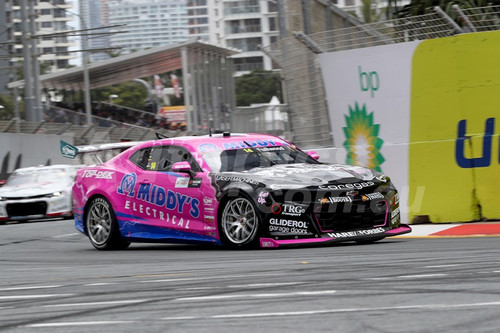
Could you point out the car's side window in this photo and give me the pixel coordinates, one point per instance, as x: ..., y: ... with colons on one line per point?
x: 165, y: 156
x: 141, y: 158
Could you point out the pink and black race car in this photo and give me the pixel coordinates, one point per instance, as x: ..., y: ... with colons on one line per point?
x: 231, y: 189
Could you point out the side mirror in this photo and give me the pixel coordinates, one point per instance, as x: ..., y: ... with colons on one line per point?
x: 183, y: 166
x: 313, y: 154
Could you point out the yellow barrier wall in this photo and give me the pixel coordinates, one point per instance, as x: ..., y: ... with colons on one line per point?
x: 454, y: 128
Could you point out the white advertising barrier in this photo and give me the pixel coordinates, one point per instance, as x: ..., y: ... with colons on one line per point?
x: 368, y: 93
x: 24, y: 150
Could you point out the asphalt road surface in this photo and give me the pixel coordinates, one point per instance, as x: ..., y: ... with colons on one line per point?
x: 53, y: 280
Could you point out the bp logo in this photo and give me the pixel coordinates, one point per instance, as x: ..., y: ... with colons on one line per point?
x: 362, y: 142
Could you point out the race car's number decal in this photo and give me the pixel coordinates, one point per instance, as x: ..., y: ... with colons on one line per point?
x: 355, y: 233
x: 158, y: 196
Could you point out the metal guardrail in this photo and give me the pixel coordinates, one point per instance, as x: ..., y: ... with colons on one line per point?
x: 297, y: 57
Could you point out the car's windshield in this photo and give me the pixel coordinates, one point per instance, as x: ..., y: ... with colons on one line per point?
x: 249, y: 158
x: 21, y: 177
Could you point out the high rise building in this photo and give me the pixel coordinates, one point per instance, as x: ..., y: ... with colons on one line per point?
x: 149, y: 23
x: 247, y: 25
x: 201, y: 19
x: 94, y: 14
x: 240, y: 24
x: 52, y: 48
x: 5, y: 68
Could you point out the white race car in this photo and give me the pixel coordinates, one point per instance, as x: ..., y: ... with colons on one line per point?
x: 38, y: 192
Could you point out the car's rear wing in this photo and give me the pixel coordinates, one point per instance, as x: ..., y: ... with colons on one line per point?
x: 95, y: 154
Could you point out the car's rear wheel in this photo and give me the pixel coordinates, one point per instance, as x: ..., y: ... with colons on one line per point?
x: 102, y: 227
x: 239, y: 223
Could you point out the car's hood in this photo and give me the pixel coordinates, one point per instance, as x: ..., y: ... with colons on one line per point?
x: 29, y: 190
x: 304, y: 175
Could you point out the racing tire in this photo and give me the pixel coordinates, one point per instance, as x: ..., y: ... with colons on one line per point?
x: 369, y: 241
x: 102, y: 226
x: 239, y: 223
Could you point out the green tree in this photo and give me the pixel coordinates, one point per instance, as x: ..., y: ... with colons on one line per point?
x: 370, y: 12
x: 44, y: 69
x: 130, y: 94
x: 259, y: 86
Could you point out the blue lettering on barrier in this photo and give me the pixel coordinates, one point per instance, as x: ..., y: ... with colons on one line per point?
x: 477, y: 162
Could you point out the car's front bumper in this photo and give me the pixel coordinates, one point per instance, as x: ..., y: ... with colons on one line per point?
x: 327, y: 238
x: 35, y: 208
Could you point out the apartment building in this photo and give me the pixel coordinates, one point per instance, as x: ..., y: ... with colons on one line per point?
x: 147, y: 23
x: 240, y: 24
x: 52, y: 17
x: 95, y: 14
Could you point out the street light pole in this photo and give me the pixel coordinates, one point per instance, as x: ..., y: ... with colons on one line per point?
x: 85, y: 60
x: 28, y: 87
x: 37, y: 108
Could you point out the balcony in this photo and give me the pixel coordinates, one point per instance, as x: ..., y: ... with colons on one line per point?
x: 241, y: 10
x: 243, y: 29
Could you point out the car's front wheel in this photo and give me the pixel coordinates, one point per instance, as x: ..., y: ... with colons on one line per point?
x: 239, y: 223
x: 102, y: 227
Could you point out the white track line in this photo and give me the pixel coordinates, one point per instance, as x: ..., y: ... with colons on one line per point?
x: 28, y: 288
x: 34, y: 296
x: 95, y: 303
x: 82, y: 323
x: 219, y: 297
x: 208, y: 278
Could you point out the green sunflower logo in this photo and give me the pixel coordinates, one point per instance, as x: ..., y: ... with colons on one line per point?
x: 362, y: 142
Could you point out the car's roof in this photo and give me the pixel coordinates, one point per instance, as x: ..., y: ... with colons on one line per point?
x: 222, y: 138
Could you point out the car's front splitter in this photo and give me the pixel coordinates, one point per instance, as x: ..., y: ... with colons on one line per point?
x: 273, y: 243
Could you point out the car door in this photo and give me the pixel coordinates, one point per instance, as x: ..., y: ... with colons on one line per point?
x: 135, y: 174
x: 177, y: 193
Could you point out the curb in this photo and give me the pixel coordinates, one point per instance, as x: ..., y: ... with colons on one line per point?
x: 485, y: 229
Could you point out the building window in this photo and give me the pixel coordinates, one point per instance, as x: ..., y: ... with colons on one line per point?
x: 46, y: 24
x: 272, y: 24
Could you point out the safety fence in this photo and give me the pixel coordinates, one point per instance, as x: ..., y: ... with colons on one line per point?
x: 270, y: 119
x: 101, y: 130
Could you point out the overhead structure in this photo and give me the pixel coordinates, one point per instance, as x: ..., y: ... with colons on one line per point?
x: 208, y: 84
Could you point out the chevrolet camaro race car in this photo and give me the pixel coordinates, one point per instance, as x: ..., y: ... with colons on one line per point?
x: 231, y: 189
x: 38, y: 192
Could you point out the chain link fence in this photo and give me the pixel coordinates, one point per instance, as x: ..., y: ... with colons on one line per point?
x: 307, y: 109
